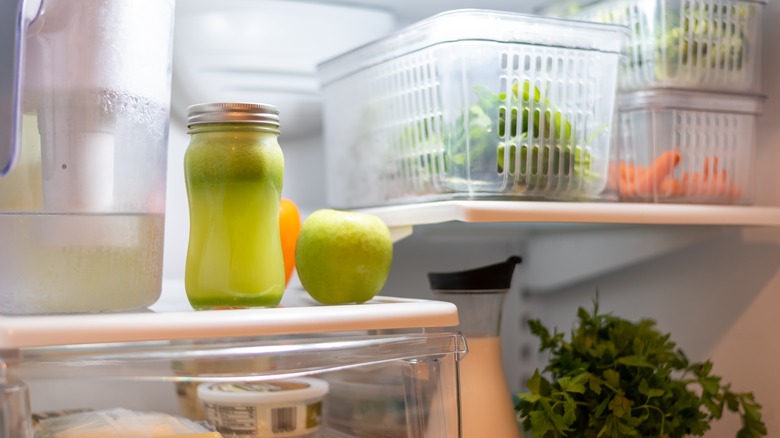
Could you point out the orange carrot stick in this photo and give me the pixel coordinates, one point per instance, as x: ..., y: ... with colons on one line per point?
x: 657, y: 172
x: 710, y: 169
x: 670, y: 187
x: 691, y: 183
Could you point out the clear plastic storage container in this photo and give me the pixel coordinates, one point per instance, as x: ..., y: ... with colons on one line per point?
x: 150, y: 366
x: 686, y: 147
x: 471, y: 104
x: 702, y: 44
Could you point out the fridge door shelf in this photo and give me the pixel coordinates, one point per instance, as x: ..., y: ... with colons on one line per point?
x: 171, y: 318
x: 402, y: 218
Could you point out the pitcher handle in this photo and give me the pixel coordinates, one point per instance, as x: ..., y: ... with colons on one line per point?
x: 14, y: 14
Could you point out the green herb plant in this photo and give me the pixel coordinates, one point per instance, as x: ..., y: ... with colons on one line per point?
x: 617, y: 378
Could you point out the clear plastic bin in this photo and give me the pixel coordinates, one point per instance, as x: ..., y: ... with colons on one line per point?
x: 702, y: 44
x: 686, y: 147
x: 471, y: 104
x: 151, y: 362
x: 371, y: 401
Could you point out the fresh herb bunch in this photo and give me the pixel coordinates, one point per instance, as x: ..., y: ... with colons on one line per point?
x: 617, y: 378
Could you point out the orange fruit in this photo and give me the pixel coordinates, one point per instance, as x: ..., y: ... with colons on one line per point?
x: 289, y: 228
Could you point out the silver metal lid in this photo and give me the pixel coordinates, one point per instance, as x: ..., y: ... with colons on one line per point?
x: 232, y: 112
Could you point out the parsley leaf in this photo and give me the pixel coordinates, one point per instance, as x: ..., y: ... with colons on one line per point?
x: 618, y: 378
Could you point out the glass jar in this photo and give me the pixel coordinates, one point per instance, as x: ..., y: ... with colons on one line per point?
x: 485, y: 399
x: 234, y: 170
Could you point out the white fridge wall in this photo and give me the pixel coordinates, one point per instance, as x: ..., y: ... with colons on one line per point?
x: 718, y: 298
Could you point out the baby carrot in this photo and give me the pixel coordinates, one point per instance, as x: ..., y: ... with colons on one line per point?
x: 710, y: 169
x: 691, y: 183
x: 657, y: 172
x: 627, y: 171
x: 670, y: 187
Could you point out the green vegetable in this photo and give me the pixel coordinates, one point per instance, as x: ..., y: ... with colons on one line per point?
x: 483, y: 144
x: 696, y: 35
x: 617, y: 378
x: 523, y: 122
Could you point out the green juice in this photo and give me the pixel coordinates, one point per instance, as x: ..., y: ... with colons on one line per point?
x: 234, y: 175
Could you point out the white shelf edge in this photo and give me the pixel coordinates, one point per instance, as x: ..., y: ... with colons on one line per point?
x: 575, y: 212
x: 381, y: 313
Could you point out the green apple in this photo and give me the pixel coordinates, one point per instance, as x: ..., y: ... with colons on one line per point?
x: 343, y: 257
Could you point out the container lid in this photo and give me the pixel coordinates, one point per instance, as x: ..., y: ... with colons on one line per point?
x: 492, y: 277
x: 277, y: 391
x: 569, y: 8
x: 478, y: 25
x: 232, y: 112
x: 684, y: 99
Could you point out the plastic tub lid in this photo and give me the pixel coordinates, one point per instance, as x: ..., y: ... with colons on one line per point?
x: 684, y: 99
x: 478, y: 25
x: 259, y: 393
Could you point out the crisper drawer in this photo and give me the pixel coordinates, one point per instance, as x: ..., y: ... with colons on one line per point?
x: 682, y: 146
x: 700, y: 44
x: 472, y: 104
x: 354, y: 376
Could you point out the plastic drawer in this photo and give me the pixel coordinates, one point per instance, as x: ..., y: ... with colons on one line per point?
x: 686, y: 147
x: 702, y: 44
x: 472, y: 104
x: 153, y: 363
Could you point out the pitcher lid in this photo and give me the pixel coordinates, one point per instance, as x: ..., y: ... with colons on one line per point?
x: 492, y: 277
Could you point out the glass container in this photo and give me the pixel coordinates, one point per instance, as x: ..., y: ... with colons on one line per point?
x: 84, y: 122
x: 234, y: 170
x: 485, y: 399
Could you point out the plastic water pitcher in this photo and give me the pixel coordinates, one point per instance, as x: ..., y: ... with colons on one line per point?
x: 485, y: 400
x: 84, y: 115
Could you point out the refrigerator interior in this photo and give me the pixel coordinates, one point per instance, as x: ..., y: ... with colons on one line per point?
x: 716, y: 289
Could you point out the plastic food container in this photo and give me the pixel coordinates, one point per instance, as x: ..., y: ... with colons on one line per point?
x: 702, y: 44
x: 368, y: 404
x: 280, y: 408
x: 686, y: 147
x: 471, y: 104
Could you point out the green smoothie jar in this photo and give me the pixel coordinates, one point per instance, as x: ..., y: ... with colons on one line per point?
x: 234, y: 170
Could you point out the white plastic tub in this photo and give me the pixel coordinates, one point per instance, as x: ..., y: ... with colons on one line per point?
x: 282, y: 408
x: 686, y: 147
x: 701, y: 44
x: 472, y: 104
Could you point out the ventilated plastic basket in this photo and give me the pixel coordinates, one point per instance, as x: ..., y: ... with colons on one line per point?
x: 471, y: 104
x: 703, y: 44
x: 686, y: 147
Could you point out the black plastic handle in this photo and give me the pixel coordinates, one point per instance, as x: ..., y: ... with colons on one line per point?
x: 491, y: 277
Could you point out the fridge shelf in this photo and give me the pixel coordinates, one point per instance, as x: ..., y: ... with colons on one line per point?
x: 402, y: 218
x: 171, y: 318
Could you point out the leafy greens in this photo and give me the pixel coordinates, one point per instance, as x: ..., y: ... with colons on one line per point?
x: 616, y: 378
x: 497, y: 129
